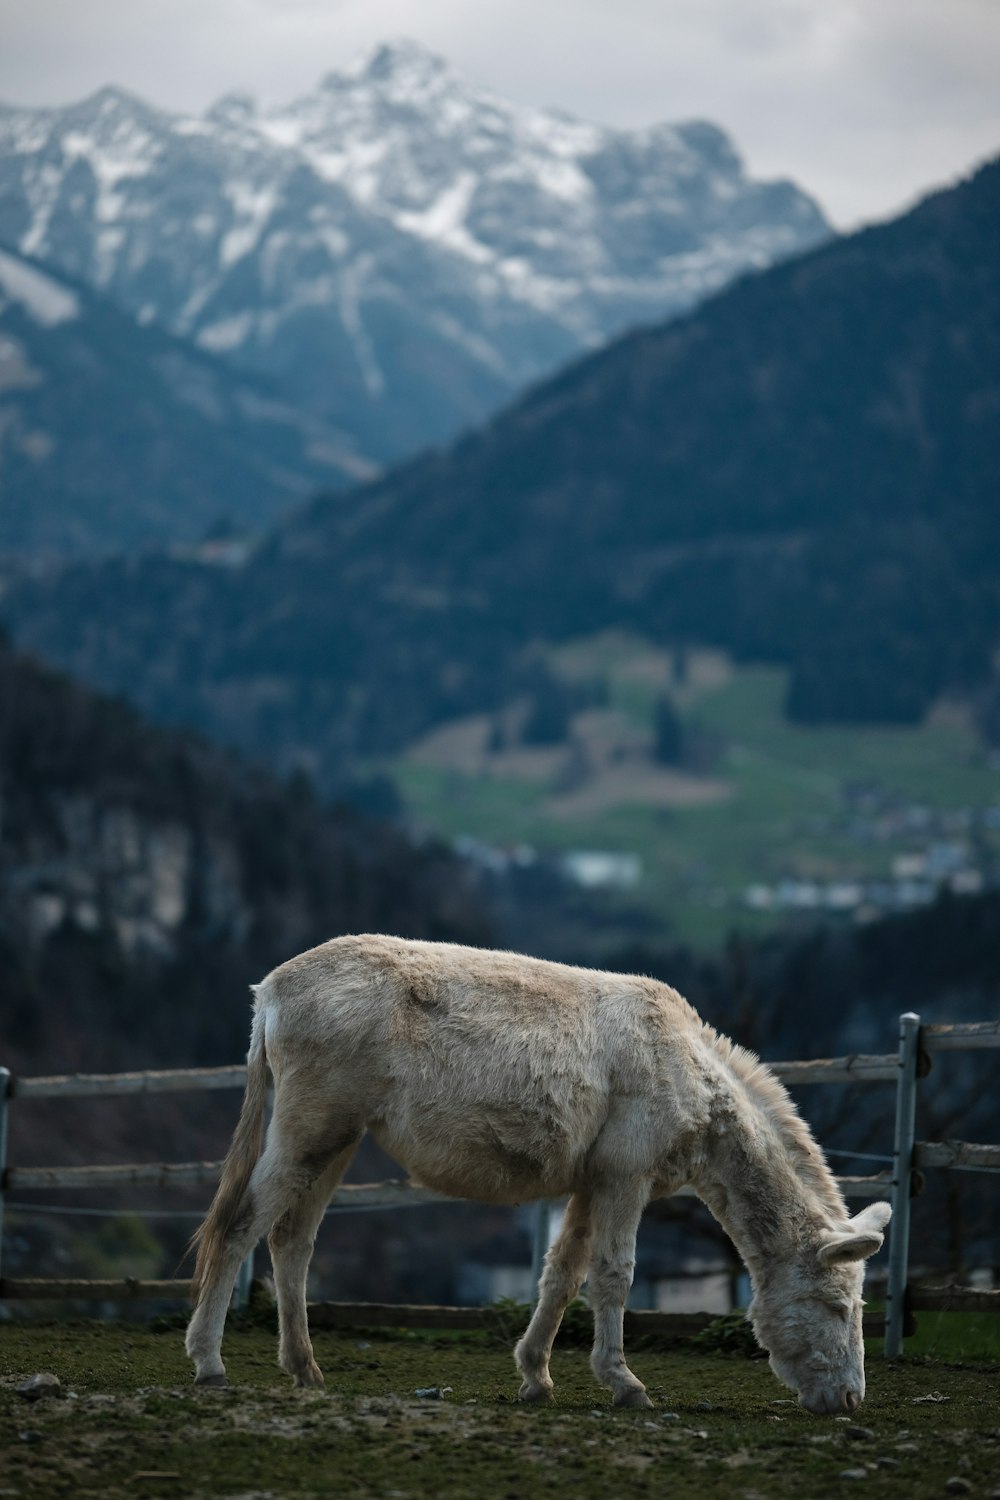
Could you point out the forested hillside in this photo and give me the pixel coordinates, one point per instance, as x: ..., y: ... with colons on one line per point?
x: 146, y: 879
x: 803, y: 471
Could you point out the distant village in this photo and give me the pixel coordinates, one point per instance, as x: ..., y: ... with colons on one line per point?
x: 926, y: 851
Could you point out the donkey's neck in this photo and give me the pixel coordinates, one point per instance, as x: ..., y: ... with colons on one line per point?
x: 760, y: 1171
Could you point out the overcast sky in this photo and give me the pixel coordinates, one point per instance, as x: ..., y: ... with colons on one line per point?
x: 866, y: 103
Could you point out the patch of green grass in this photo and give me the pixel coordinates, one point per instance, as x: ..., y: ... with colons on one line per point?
x: 786, y: 813
x: 942, y: 764
x: 957, y: 1336
x: 131, y: 1423
x: 500, y: 810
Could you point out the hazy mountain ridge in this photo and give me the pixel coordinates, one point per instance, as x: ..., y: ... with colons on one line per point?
x: 117, y: 436
x: 402, y: 250
x: 802, y: 471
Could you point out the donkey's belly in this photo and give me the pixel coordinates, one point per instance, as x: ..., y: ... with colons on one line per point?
x: 492, y: 1155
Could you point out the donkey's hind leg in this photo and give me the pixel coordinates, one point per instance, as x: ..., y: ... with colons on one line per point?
x: 562, y: 1278
x: 291, y: 1245
x: 267, y: 1195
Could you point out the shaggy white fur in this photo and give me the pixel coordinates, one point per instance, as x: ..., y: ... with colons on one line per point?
x: 502, y: 1078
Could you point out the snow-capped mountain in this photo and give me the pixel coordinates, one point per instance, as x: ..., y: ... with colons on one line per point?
x: 403, y: 250
x: 116, y: 436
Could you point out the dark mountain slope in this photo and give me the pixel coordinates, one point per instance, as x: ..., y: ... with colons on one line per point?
x: 115, y: 436
x: 804, y: 470
x: 813, y: 454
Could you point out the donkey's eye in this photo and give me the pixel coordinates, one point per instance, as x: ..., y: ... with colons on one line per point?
x: 840, y: 1309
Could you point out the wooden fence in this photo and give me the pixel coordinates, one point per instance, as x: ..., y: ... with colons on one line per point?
x: 905, y: 1068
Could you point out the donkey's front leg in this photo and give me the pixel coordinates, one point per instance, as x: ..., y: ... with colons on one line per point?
x: 615, y: 1218
x: 562, y: 1278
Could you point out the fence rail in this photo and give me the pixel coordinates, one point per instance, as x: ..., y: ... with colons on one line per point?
x: 166, y: 1081
x: 857, y: 1068
x: 122, y: 1289
x: 960, y: 1037
x: 905, y: 1067
x: 357, y: 1195
x: 952, y: 1299
x: 959, y: 1154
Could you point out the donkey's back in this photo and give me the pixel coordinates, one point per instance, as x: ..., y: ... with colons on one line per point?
x: 486, y: 1074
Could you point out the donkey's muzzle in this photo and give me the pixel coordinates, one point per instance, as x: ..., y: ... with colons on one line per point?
x: 831, y: 1404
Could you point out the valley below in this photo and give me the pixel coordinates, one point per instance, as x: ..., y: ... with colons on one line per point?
x: 757, y: 822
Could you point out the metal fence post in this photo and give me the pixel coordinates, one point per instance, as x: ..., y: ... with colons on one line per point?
x: 244, y: 1281
x: 240, y: 1299
x: 4, y: 1100
x: 540, y: 1245
x: 902, y: 1162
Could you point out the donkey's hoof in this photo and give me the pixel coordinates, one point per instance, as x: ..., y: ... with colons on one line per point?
x: 213, y: 1382
x: 310, y: 1377
x: 536, y: 1395
x: 636, y: 1399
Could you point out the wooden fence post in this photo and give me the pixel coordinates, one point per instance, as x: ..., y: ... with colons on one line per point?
x: 902, y: 1171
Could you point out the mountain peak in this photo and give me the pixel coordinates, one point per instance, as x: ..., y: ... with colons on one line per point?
x: 400, y: 64
x: 402, y: 53
x: 111, y: 102
x: 233, y: 107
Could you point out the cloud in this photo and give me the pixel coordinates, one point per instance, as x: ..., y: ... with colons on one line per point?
x: 864, y: 102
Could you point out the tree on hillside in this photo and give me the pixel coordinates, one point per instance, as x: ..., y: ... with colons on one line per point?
x: 550, y: 710
x: 668, y: 733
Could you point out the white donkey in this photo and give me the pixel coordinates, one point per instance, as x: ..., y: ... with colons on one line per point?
x: 501, y: 1078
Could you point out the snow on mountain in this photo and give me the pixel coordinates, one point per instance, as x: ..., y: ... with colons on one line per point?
x: 117, y: 436
x: 402, y: 249
x: 47, y: 300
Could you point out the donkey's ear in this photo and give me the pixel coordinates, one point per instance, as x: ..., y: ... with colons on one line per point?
x: 875, y: 1217
x: 862, y: 1237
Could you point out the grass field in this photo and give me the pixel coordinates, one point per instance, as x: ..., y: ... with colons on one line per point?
x: 130, y: 1423
x: 767, y: 799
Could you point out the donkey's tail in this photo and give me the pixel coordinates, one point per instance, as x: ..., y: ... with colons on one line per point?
x: 210, y: 1238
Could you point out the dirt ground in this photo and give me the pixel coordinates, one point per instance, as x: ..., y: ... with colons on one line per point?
x: 129, y: 1422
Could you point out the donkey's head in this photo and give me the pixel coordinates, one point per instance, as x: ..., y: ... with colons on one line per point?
x: 807, y: 1314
